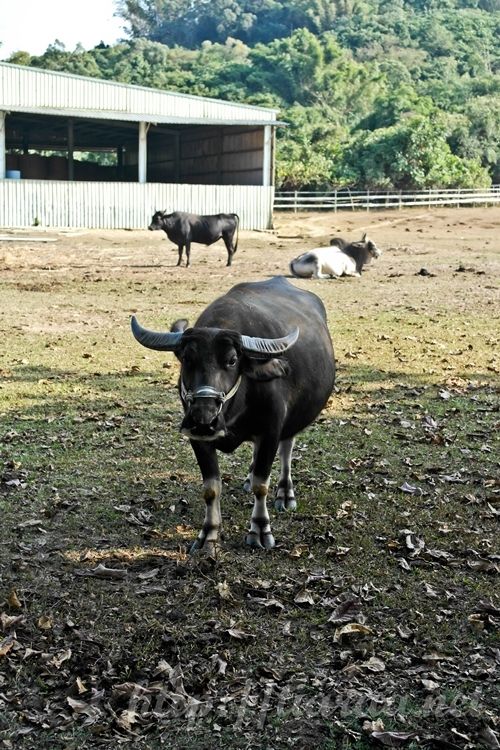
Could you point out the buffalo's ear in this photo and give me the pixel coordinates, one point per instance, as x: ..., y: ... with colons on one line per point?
x: 265, y: 369
x: 179, y: 326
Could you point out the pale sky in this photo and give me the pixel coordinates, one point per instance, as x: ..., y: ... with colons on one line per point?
x: 31, y: 25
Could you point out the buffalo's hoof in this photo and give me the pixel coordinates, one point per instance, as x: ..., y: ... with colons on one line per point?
x: 195, y: 547
x: 285, y: 503
x: 211, y: 549
x: 262, y: 540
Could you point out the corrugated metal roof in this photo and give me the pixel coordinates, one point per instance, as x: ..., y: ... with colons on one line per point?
x: 24, y: 89
x: 133, y: 117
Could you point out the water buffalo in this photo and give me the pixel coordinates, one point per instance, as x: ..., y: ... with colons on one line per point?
x: 257, y: 366
x: 182, y: 229
x: 341, y: 258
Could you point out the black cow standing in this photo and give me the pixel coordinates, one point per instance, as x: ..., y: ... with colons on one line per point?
x: 183, y: 229
x: 257, y: 366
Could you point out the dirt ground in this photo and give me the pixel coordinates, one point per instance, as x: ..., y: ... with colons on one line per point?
x: 409, y: 237
x: 373, y: 623
x: 462, y: 243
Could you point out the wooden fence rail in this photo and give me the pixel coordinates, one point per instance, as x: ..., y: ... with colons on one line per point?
x: 345, y: 199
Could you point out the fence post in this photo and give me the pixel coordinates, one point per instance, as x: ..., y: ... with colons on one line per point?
x: 295, y: 201
x: 400, y: 200
x: 368, y: 201
x: 352, y: 199
x: 335, y: 204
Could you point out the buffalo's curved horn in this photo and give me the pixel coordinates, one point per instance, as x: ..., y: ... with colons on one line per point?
x: 162, y: 342
x: 269, y: 347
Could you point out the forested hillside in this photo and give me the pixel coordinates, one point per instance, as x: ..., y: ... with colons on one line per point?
x: 377, y: 93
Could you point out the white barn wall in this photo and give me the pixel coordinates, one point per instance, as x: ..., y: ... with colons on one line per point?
x: 126, y: 205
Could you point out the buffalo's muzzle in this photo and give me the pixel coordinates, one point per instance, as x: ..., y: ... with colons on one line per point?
x: 203, y: 422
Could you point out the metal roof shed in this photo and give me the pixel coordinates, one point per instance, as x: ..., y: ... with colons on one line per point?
x: 170, y: 151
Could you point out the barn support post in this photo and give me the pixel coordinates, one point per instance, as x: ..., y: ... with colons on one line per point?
x: 273, y: 159
x: 2, y: 146
x: 71, y: 148
x: 267, y: 156
x: 142, y: 167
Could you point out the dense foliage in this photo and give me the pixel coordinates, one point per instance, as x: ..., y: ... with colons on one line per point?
x: 377, y: 93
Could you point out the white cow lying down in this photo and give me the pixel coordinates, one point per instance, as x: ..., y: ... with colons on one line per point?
x: 341, y: 258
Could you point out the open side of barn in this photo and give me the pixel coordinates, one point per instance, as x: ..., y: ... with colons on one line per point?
x: 163, y: 150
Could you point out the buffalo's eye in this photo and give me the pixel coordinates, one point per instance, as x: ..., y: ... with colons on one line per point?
x: 188, y: 357
x: 232, y: 361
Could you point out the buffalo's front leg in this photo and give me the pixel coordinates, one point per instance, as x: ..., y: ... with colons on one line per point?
x: 188, y: 253
x: 180, y: 248
x: 212, y: 525
x: 285, y: 496
x: 260, y: 534
x: 248, y: 483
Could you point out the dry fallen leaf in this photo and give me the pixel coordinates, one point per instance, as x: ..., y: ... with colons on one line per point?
x: 345, y: 612
x: 352, y: 629
x: 80, y: 686
x: 101, y: 571
x: 489, y: 737
x: 476, y: 621
x: 92, y: 713
x: 304, y: 597
x: 45, y: 623
x: 393, y: 739
x: 127, y: 719
x: 373, y: 726
x: 60, y: 658
x: 239, y: 634
x: 10, y: 621
x: 430, y: 685
x: 224, y: 591
x: 374, y: 664
x: 13, y: 600
x: 6, y: 645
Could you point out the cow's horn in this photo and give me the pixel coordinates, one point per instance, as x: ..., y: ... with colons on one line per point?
x: 269, y: 347
x: 163, y: 342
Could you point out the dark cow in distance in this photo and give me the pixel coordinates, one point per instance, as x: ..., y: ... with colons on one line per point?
x: 340, y: 258
x: 258, y: 367
x: 182, y: 229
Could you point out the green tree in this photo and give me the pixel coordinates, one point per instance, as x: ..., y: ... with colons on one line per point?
x: 413, y: 154
x: 309, y: 150
x: 475, y: 134
x: 376, y: 92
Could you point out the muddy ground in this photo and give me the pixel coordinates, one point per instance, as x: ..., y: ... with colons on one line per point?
x: 373, y: 622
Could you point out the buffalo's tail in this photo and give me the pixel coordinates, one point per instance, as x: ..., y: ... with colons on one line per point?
x: 237, y: 232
